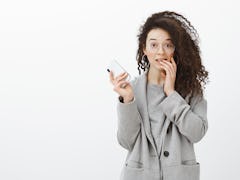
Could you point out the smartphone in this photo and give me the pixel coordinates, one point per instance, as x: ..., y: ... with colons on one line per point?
x: 117, y: 69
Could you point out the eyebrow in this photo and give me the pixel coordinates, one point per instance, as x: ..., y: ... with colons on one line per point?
x: 165, y: 39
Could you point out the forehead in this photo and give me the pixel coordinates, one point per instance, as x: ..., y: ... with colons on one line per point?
x: 158, y: 34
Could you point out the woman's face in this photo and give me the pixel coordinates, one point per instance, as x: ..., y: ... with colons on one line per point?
x: 159, y: 46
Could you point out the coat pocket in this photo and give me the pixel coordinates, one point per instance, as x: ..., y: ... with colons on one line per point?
x: 182, y: 172
x: 132, y: 171
x: 135, y: 165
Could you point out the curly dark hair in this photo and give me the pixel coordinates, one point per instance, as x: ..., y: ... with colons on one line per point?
x: 191, y: 76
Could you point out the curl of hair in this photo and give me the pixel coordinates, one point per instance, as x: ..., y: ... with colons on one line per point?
x: 191, y: 76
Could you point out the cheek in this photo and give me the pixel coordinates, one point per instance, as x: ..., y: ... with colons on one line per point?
x: 151, y: 56
x: 169, y: 57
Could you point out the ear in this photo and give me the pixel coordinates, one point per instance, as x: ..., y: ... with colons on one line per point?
x: 144, y: 51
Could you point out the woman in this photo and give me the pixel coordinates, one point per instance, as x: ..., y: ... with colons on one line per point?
x: 162, y: 113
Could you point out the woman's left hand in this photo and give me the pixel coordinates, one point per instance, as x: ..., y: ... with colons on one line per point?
x: 171, y: 70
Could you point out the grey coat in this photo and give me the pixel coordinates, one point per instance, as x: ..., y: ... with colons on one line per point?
x: 185, y: 124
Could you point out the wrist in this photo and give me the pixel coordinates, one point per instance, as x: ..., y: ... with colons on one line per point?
x: 127, y: 99
x: 169, y: 92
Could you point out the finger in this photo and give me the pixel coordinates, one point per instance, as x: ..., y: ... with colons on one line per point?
x: 169, y: 63
x: 174, y: 63
x: 122, y: 74
x: 168, y: 73
x: 121, y: 84
x: 121, y: 77
x: 111, y: 77
x: 168, y: 68
x: 171, y: 68
x: 115, y: 77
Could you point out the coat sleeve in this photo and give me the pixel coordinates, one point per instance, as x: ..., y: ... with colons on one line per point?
x: 128, y: 124
x: 190, y: 120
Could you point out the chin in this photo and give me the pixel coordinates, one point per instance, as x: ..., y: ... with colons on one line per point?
x: 158, y: 67
x: 162, y: 71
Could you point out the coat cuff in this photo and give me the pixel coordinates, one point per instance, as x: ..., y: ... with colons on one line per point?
x: 128, y: 111
x: 170, y: 105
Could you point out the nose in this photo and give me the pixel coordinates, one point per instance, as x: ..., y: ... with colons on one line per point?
x: 160, y: 50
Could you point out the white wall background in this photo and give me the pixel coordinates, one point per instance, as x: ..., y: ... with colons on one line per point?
x: 57, y: 108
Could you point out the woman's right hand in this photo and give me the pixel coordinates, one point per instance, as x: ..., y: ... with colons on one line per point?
x: 122, y: 87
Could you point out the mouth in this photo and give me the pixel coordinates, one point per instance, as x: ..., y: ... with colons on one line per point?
x: 161, y: 59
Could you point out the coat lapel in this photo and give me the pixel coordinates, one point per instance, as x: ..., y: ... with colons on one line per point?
x: 140, y: 91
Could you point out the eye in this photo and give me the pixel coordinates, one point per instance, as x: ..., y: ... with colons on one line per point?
x: 153, y: 45
x: 169, y: 45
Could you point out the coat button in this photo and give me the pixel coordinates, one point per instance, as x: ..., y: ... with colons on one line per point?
x: 166, y: 153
